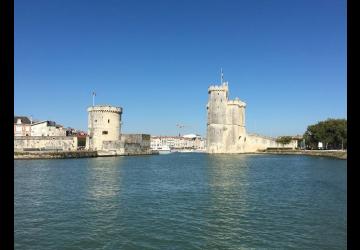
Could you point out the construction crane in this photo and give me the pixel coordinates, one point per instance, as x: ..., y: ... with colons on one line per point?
x: 180, y: 126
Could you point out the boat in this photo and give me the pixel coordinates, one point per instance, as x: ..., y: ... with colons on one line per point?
x: 164, y: 149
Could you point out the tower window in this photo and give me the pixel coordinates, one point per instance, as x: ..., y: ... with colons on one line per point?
x: 104, y: 132
x: 95, y: 120
x: 108, y: 120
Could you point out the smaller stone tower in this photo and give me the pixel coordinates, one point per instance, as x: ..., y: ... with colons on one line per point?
x: 104, y: 124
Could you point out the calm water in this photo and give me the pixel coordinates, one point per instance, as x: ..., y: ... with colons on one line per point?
x: 181, y: 201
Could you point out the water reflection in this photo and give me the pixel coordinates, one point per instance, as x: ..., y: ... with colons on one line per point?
x: 228, y: 185
x: 104, y: 178
x: 182, y: 201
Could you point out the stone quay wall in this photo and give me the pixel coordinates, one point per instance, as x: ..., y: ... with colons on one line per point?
x: 339, y: 154
x: 46, y: 143
x: 129, y: 144
x: 27, y: 155
x: 136, y: 144
x: 258, y: 142
x: 114, y: 147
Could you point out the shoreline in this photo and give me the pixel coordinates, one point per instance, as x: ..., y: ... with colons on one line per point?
x: 29, y: 155
x: 338, y: 154
x: 39, y: 155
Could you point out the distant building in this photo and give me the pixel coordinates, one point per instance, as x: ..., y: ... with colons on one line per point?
x: 49, y: 136
x: 22, y: 126
x: 47, y: 128
x: 190, y: 141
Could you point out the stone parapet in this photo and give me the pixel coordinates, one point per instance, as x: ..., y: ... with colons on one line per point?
x: 223, y: 87
x: 236, y: 102
x: 105, y: 108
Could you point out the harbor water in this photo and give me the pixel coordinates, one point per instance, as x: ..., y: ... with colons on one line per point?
x: 181, y: 201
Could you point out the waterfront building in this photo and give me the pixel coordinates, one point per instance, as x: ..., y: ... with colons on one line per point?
x: 104, y: 135
x: 190, y: 142
x: 47, y: 128
x: 44, y: 136
x: 22, y: 126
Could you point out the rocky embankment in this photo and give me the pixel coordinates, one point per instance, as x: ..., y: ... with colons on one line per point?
x: 340, y: 154
x: 24, y: 155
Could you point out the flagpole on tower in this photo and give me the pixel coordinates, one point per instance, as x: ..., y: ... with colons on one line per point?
x: 93, y: 95
x: 222, y: 76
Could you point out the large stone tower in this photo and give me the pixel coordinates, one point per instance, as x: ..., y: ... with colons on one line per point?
x: 226, y: 131
x: 104, y: 124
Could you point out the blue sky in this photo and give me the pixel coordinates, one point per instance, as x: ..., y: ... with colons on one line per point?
x: 156, y: 59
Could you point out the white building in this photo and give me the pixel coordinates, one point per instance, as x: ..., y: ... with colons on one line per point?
x: 191, y: 141
x: 22, y: 126
x: 47, y: 128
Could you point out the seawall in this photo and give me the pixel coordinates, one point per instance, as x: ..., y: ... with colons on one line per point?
x: 339, y: 154
x: 25, y: 155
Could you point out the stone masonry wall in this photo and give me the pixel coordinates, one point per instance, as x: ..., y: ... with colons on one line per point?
x: 65, y: 143
x: 136, y: 143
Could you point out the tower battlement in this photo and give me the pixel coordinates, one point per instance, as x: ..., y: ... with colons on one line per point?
x: 236, y: 102
x: 105, y: 108
x: 223, y: 87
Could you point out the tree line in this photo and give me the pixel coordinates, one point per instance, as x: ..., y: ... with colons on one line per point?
x: 331, y: 132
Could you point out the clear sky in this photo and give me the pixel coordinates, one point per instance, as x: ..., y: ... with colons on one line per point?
x: 156, y: 59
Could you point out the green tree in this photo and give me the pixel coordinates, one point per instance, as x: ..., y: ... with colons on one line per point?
x: 331, y: 132
x: 284, y: 139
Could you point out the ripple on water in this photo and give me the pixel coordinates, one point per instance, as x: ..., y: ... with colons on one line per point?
x: 181, y: 201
